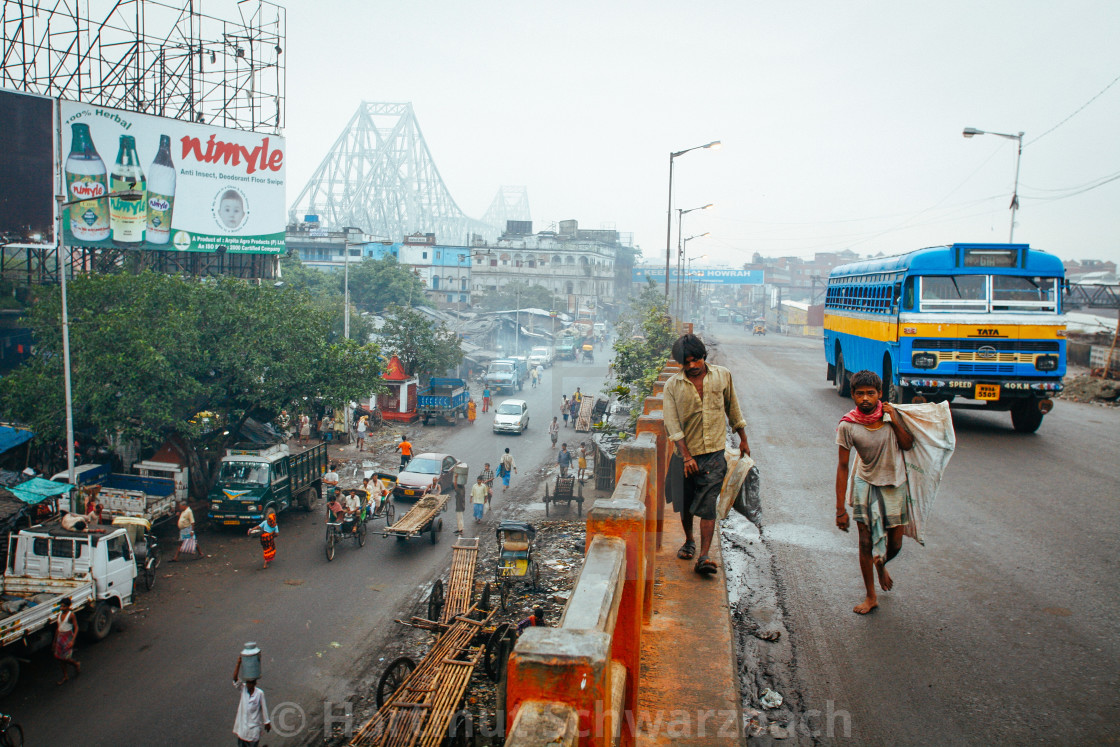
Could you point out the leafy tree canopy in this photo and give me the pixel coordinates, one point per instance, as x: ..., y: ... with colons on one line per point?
x: 506, y: 297
x: 421, y: 345
x: 645, y: 338
x: 378, y: 284
x: 150, y: 351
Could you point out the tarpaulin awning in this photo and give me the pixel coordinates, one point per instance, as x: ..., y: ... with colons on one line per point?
x: 38, y: 489
x: 10, y: 437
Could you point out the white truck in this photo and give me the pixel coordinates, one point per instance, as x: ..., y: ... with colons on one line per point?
x: 46, y: 564
x: 541, y: 354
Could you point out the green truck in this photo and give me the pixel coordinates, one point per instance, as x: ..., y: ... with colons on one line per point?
x: 255, y: 480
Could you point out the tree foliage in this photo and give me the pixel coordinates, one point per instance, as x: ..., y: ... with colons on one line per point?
x: 507, y: 297
x: 422, y: 345
x: 645, y: 337
x: 378, y: 284
x: 149, y: 352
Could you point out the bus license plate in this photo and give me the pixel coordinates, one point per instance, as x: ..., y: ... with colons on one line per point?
x: 231, y: 523
x: 987, y: 391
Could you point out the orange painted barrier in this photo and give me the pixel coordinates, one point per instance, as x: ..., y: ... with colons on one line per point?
x: 578, y: 683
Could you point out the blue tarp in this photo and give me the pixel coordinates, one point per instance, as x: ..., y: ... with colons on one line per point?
x: 38, y: 489
x: 10, y: 437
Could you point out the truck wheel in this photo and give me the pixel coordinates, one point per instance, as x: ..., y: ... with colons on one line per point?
x: 310, y: 497
x: 9, y: 675
x: 100, y: 622
x: 1026, y: 417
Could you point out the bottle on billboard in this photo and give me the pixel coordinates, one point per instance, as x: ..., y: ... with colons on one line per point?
x: 86, y: 179
x: 127, y: 215
x: 161, y: 194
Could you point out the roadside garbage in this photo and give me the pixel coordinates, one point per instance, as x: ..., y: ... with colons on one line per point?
x: 770, y: 698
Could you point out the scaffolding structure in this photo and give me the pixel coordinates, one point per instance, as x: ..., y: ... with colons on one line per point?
x: 379, y: 176
x: 151, y: 57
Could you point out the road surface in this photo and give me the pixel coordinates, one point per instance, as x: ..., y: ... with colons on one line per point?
x: 1001, y: 630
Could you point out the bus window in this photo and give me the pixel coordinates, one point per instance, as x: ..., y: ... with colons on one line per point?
x: 955, y: 293
x: 908, y: 296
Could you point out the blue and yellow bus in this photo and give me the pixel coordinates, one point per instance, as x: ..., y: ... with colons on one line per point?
x: 977, y: 322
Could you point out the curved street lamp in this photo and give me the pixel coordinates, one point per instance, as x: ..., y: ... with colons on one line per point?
x: 970, y: 132
x: 714, y: 145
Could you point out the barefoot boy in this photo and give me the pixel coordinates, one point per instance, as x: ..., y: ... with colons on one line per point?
x: 880, y: 494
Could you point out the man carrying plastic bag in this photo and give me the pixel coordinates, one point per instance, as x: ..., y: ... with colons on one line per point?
x: 892, y: 478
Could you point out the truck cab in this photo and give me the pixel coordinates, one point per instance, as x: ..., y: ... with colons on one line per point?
x: 254, y: 480
x: 541, y: 355
x: 505, y: 374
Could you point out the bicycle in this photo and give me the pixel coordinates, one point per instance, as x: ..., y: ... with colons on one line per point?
x: 11, y: 733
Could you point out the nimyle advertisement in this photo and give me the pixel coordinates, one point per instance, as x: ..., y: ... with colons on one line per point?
x: 144, y: 182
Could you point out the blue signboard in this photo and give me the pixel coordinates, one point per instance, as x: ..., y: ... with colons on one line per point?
x: 699, y: 275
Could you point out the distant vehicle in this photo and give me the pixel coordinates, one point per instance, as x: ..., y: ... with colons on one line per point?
x: 421, y: 471
x: 723, y: 315
x: 512, y: 416
x: 504, y: 374
x: 443, y: 398
x: 600, y: 329
x: 255, y: 480
x: 980, y: 322
x: 541, y: 356
x: 737, y: 319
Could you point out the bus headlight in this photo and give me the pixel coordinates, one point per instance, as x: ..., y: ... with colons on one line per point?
x: 1046, y: 362
x: 924, y: 360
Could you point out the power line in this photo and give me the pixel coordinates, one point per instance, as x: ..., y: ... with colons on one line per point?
x: 1078, y: 111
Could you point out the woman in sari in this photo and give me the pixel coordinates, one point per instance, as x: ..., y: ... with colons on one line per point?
x: 66, y: 629
x: 268, y: 530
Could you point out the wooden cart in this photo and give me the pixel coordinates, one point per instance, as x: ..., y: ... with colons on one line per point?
x: 423, y: 517
x: 566, y: 490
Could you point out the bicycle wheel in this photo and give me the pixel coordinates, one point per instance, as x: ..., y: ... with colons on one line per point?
x: 330, y: 545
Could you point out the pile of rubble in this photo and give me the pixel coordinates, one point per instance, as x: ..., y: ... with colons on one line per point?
x: 1086, y: 388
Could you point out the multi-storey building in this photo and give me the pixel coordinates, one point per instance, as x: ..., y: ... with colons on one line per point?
x: 580, y: 266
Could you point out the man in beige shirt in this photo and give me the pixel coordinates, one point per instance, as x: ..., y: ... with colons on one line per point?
x: 700, y: 402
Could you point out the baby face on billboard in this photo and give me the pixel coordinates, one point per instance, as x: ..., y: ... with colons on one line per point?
x: 230, y: 212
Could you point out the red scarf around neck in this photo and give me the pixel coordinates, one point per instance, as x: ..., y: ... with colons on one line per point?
x: 855, y: 416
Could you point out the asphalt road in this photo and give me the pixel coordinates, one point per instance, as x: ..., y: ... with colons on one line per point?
x: 1002, y: 629
x: 163, y: 676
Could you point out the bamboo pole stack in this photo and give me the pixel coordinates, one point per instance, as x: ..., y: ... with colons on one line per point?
x: 460, y: 582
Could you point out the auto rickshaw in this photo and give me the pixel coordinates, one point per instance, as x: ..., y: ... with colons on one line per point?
x: 515, y: 557
x: 760, y: 328
x: 145, y: 548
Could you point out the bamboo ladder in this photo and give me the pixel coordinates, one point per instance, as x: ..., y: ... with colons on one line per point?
x: 420, y: 711
x: 460, y: 582
x: 583, y: 419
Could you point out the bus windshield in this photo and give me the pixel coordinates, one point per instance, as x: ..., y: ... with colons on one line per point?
x: 989, y: 293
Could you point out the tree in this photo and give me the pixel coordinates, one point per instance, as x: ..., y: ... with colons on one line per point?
x: 645, y: 335
x: 421, y: 345
x: 151, y: 351
x: 506, y: 297
x: 326, y: 290
x: 378, y: 284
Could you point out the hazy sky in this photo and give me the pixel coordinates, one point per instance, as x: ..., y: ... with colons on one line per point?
x: 841, y: 121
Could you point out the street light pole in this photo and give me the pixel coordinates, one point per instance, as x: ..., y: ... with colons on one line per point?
x: 680, y: 215
x: 716, y: 144
x: 971, y: 131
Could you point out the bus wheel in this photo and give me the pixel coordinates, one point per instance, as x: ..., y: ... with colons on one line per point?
x: 1026, y: 417
x: 843, y: 387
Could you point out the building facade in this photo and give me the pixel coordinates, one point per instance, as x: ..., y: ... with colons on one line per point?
x: 579, y: 266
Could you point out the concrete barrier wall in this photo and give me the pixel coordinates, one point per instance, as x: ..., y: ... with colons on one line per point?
x: 577, y: 683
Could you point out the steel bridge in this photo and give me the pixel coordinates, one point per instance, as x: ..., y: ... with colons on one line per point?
x: 380, y: 177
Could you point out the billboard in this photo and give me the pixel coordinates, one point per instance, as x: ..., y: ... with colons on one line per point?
x: 162, y: 184
x: 26, y: 168
x: 707, y: 275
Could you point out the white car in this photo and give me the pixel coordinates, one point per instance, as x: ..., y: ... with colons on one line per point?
x: 541, y: 355
x: 512, y: 416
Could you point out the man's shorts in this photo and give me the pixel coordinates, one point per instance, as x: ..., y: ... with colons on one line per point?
x: 701, y: 490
